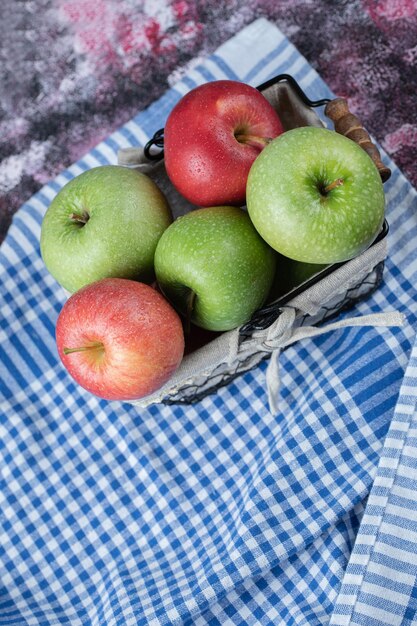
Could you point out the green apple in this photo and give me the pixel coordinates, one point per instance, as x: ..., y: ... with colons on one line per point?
x: 214, y: 267
x: 315, y: 196
x: 104, y: 223
x: 290, y: 274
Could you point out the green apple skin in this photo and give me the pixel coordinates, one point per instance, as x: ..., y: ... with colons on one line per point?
x: 291, y: 209
x: 290, y: 274
x: 215, y: 257
x: 125, y: 215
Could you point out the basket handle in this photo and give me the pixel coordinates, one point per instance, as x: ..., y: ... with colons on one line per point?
x: 347, y: 124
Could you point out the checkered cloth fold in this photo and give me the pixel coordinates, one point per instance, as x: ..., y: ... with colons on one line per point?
x: 220, y: 512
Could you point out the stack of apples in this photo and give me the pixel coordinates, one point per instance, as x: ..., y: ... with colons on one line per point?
x: 139, y: 279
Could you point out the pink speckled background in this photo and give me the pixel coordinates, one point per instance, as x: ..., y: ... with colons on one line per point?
x: 72, y: 71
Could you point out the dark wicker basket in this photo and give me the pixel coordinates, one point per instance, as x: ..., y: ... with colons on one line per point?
x: 210, y: 366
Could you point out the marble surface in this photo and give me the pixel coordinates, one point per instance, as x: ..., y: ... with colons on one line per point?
x: 72, y: 71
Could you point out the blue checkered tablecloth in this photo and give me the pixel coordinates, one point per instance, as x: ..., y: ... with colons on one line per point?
x: 219, y: 512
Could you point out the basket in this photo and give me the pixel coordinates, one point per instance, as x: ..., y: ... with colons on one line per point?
x: 213, y: 360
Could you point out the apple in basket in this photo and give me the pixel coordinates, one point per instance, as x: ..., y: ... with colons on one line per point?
x: 211, y: 138
x: 316, y: 196
x: 119, y: 339
x: 105, y: 222
x: 214, y: 268
x: 290, y: 274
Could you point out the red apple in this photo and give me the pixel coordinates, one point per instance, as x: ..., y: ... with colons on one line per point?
x: 212, y: 137
x: 119, y: 339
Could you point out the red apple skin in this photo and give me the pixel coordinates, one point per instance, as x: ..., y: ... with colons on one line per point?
x: 141, y: 337
x: 203, y: 159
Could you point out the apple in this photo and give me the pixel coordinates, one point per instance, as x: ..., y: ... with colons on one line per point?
x: 315, y: 196
x: 105, y: 222
x: 119, y: 339
x: 211, y: 138
x: 290, y: 274
x: 214, y: 267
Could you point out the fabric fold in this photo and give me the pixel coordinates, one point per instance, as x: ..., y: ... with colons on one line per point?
x: 380, y: 583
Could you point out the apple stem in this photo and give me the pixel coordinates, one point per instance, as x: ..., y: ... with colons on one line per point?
x: 80, y: 218
x: 253, y: 140
x: 97, y: 345
x: 189, y: 309
x: 336, y: 183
